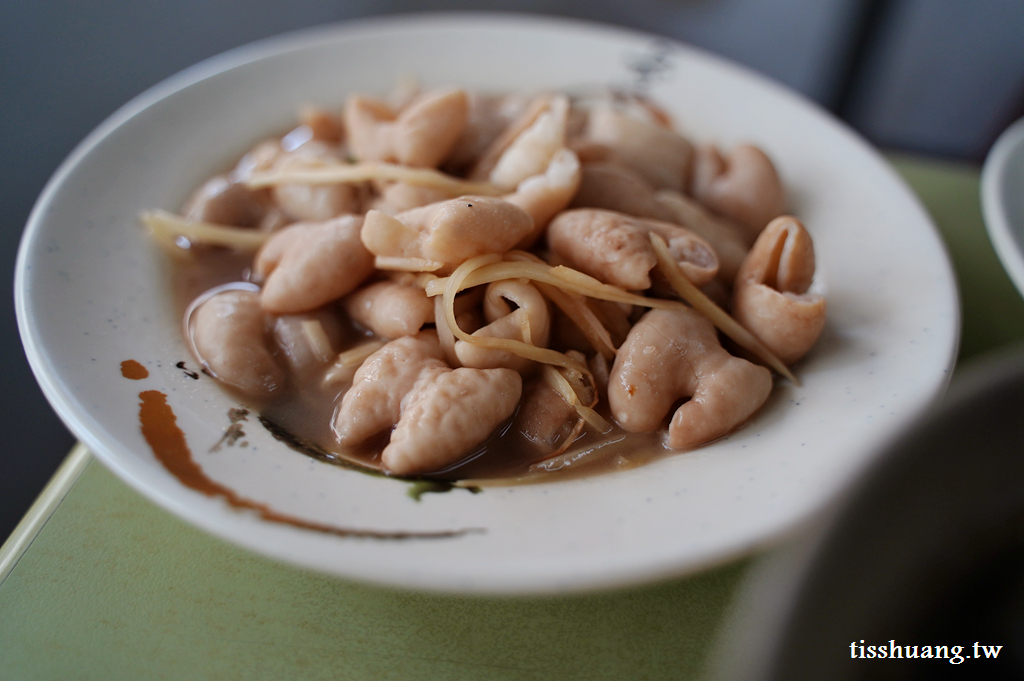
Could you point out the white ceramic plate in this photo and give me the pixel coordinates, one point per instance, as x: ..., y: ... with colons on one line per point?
x: 1002, y: 200
x: 92, y: 292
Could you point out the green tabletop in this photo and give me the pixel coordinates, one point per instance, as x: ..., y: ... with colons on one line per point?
x: 97, y: 583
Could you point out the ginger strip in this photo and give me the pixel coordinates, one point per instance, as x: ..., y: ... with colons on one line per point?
x: 345, y: 366
x: 362, y: 172
x: 389, y: 263
x: 563, y: 277
x: 575, y: 308
x: 454, y: 284
x: 165, y: 227
x: 716, y: 315
x: 318, y: 339
x: 557, y: 381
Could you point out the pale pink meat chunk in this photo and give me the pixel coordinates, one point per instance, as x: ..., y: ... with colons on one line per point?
x: 398, y: 197
x: 307, y: 265
x: 771, y: 297
x: 671, y: 355
x: 230, y: 333
x: 374, y: 402
x: 422, y: 134
x: 323, y: 125
x: 461, y: 229
x: 487, y: 117
x: 729, y: 240
x: 616, y: 248
x: 604, y: 245
x: 744, y: 186
x: 543, y: 196
x: 694, y: 255
x: 390, y: 309
x: 257, y: 160
x: 448, y: 232
x: 438, y: 414
x: 613, y: 186
x: 660, y: 155
x: 223, y: 202
x: 538, y: 129
x: 313, y: 202
x: 448, y: 416
x: 531, y: 151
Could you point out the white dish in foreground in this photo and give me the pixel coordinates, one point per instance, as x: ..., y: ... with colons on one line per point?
x: 92, y: 292
x: 1002, y: 200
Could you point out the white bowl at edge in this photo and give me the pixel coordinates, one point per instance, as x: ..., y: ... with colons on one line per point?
x: 1002, y: 200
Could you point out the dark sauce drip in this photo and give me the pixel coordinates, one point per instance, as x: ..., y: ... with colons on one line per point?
x: 160, y: 429
x: 188, y: 372
x: 312, y: 449
x: 234, y: 432
x: 133, y: 370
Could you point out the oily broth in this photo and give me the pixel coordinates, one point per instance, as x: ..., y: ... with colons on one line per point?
x: 303, y: 413
x: 203, y: 268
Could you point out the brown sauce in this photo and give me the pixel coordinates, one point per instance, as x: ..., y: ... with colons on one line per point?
x: 133, y: 370
x: 203, y: 269
x: 160, y: 429
x: 302, y: 419
x: 301, y: 415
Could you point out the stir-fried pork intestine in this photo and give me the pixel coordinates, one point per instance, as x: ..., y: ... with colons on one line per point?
x: 671, y: 355
x: 770, y: 296
x: 615, y: 248
x: 543, y: 196
x: 382, y: 381
x: 633, y: 138
x: 223, y: 202
x: 447, y: 233
x: 613, y: 186
x: 437, y: 413
x: 531, y: 151
x: 728, y: 240
x: 398, y: 197
x: 313, y: 202
x: 487, y: 117
x: 231, y: 335
x: 742, y: 186
x: 323, y: 125
x: 306, y: 265
x: 390, y: 309
x: 470, y: 293
x: 422, y: 134
x: 535, y: 132
x: 445, y: 415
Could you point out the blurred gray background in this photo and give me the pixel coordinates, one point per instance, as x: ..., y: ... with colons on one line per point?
x: 936, y: 77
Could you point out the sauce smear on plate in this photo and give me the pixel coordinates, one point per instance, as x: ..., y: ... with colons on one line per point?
x: 167, y: 440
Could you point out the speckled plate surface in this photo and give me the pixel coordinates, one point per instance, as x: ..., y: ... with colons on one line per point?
x: 92, y: 291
